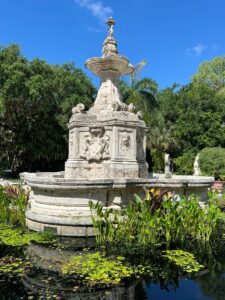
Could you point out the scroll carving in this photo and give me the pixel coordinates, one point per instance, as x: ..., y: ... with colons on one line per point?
x: 78, y: 109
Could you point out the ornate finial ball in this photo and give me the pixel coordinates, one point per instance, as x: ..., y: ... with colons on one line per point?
x: 111, y: 21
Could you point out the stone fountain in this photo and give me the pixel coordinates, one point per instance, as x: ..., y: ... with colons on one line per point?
x: 107, y: 159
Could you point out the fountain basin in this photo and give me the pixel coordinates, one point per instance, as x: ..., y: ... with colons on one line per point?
x: 62, y: 205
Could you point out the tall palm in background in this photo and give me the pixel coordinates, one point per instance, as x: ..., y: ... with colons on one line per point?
x: 143, y: 94
x: 140, y: 92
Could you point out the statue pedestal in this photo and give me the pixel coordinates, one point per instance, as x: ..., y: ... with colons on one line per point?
x: 106, y: 146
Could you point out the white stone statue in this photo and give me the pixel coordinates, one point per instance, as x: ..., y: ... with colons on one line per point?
x: 168, y: 173
x: 197, y: 171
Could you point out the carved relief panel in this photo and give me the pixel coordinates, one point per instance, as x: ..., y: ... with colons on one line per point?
x: 126, y: 144
x: 95, y: 144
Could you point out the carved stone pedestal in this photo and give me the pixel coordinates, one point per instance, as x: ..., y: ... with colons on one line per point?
x: 106, y: 146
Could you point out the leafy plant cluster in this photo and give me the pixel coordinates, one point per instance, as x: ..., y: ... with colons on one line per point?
x: 185, y: 260
x: 137, y: 226
x: 13, y: 204
x: 102, y: 269
x: 96, y: 268
x: 11, y: 236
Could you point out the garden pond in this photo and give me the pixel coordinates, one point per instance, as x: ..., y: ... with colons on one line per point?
x: 34, y: 271
x: 158, y: 248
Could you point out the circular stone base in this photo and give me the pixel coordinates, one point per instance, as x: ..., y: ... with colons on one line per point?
x: 59, y: 229
x: 62, y: 205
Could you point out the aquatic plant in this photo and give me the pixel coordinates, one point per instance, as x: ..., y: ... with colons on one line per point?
x: 138, y: 225
x: 96, y: 268
x: 11, y: 236
x: 183, y: 259
x: 11, y: 265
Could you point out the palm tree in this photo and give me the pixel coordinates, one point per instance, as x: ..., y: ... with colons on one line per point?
x: 140, y: 92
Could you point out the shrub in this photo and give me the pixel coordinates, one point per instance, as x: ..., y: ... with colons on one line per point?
x: 184, y: 164
x: 13, y: 204
x: 212, y: 162
x: 138, y: 226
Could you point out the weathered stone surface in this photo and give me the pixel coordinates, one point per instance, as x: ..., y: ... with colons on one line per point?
x: 107, y: 146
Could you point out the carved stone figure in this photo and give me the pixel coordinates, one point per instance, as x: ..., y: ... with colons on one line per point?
x: 197, y: 171
x: 130, y: 107
x: 78, y: 109
x: 139, y: 115
x: 96, y: 146
x: 168, y: 173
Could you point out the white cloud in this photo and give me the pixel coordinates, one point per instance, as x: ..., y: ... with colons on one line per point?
x: 200, y: 48
x: 197, y: 50
x: 97, y: 8
x: 94, y: 29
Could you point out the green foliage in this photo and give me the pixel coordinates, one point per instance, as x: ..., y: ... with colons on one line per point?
x: 222, y: 216
x: 200, y: 117
x: 212, y: 73
x: 11, y: 236
x: 139, y: 226
x: 13, y: 204
x: 140, y: 92
x: 184, y: 163
x: 193, y: 115
x: 185, y: 260
x: 35, y: 105
x: 212, y: 161
x: 95, y: 268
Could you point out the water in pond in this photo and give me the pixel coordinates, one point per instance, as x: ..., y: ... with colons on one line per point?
x: 41, y: 280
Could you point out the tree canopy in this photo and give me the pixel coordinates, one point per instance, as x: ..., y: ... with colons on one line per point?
x: 35, y: 105
x: 212, y: 73
x: 36, y: 99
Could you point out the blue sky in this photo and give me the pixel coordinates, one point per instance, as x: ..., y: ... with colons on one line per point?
x: 173, y: 36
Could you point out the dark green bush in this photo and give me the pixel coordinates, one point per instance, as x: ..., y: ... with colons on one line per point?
x: 184, y: 164
x: 212, y: 162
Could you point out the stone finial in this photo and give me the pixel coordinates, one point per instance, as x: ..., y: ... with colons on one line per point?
x: 110, y: 44
x: 111, y: 22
